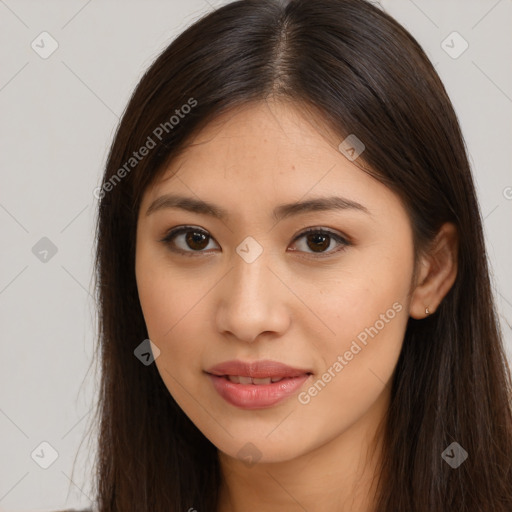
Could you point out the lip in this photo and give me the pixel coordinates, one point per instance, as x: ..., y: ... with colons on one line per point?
x: 257, y: 396
x: 256, y: 369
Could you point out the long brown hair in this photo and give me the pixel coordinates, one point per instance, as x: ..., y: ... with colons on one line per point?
x: 363, y: 73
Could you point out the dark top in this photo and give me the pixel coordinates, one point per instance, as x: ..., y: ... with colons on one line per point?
x: 75, y: 510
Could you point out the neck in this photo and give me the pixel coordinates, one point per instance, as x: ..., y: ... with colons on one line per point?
x: 340, y: 475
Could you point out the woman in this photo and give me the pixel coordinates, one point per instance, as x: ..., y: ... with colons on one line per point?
x: 288, y: 214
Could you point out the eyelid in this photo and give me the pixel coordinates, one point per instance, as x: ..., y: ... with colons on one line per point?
x: 334, y: 234
x: 341, y: 239
x: 178, y: 230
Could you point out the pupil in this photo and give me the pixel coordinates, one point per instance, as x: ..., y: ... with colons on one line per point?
x: 194, y: 237
x: 199, y: 241
x: 318, y: 238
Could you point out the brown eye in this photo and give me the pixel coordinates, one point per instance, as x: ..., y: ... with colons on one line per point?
x: 195, y: 240
x: 318, y: 240
x: 192, y: 241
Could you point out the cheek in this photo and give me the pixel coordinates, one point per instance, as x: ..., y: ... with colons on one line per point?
x: 365, y: 312
x: 167, y: 297
x: 171, y: 309
x: 359, y: 360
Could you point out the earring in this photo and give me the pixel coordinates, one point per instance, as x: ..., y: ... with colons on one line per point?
x: 427, y: 312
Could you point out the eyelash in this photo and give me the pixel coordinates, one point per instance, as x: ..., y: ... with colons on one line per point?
x: 185, y: 229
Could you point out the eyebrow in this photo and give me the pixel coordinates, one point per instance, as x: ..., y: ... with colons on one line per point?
x: 280, y: 212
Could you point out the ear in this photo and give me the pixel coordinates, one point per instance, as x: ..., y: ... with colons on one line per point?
x: 437, y: 272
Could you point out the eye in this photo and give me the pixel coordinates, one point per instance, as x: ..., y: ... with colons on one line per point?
x: 195, y: 239
x: 318, y: 240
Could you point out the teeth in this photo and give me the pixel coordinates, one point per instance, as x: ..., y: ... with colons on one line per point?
x: 261, y: 381
x: 238, y: 379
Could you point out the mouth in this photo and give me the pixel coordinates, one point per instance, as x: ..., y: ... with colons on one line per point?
x: 256, y: 370
x: 256, y: 385
x: 239, y: 379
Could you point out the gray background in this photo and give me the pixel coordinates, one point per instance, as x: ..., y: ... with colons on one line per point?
x: 58, y: 117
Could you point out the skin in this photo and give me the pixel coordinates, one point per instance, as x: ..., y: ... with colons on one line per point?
x: 290, y: 304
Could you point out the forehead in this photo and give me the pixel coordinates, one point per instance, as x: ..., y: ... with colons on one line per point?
x: 267, y: 153
x: 274, y: 135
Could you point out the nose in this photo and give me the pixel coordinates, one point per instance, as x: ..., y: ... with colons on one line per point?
x: 251, y: 301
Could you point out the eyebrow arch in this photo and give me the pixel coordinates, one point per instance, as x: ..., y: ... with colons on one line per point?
x: 280, y: 212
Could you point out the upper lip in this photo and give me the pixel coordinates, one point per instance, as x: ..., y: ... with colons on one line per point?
x: 257, y: 369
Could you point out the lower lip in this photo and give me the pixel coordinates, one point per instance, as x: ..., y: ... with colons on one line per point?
x: 257, y: 396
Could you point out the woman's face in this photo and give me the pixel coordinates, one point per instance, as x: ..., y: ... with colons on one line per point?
x: 250, y: 286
